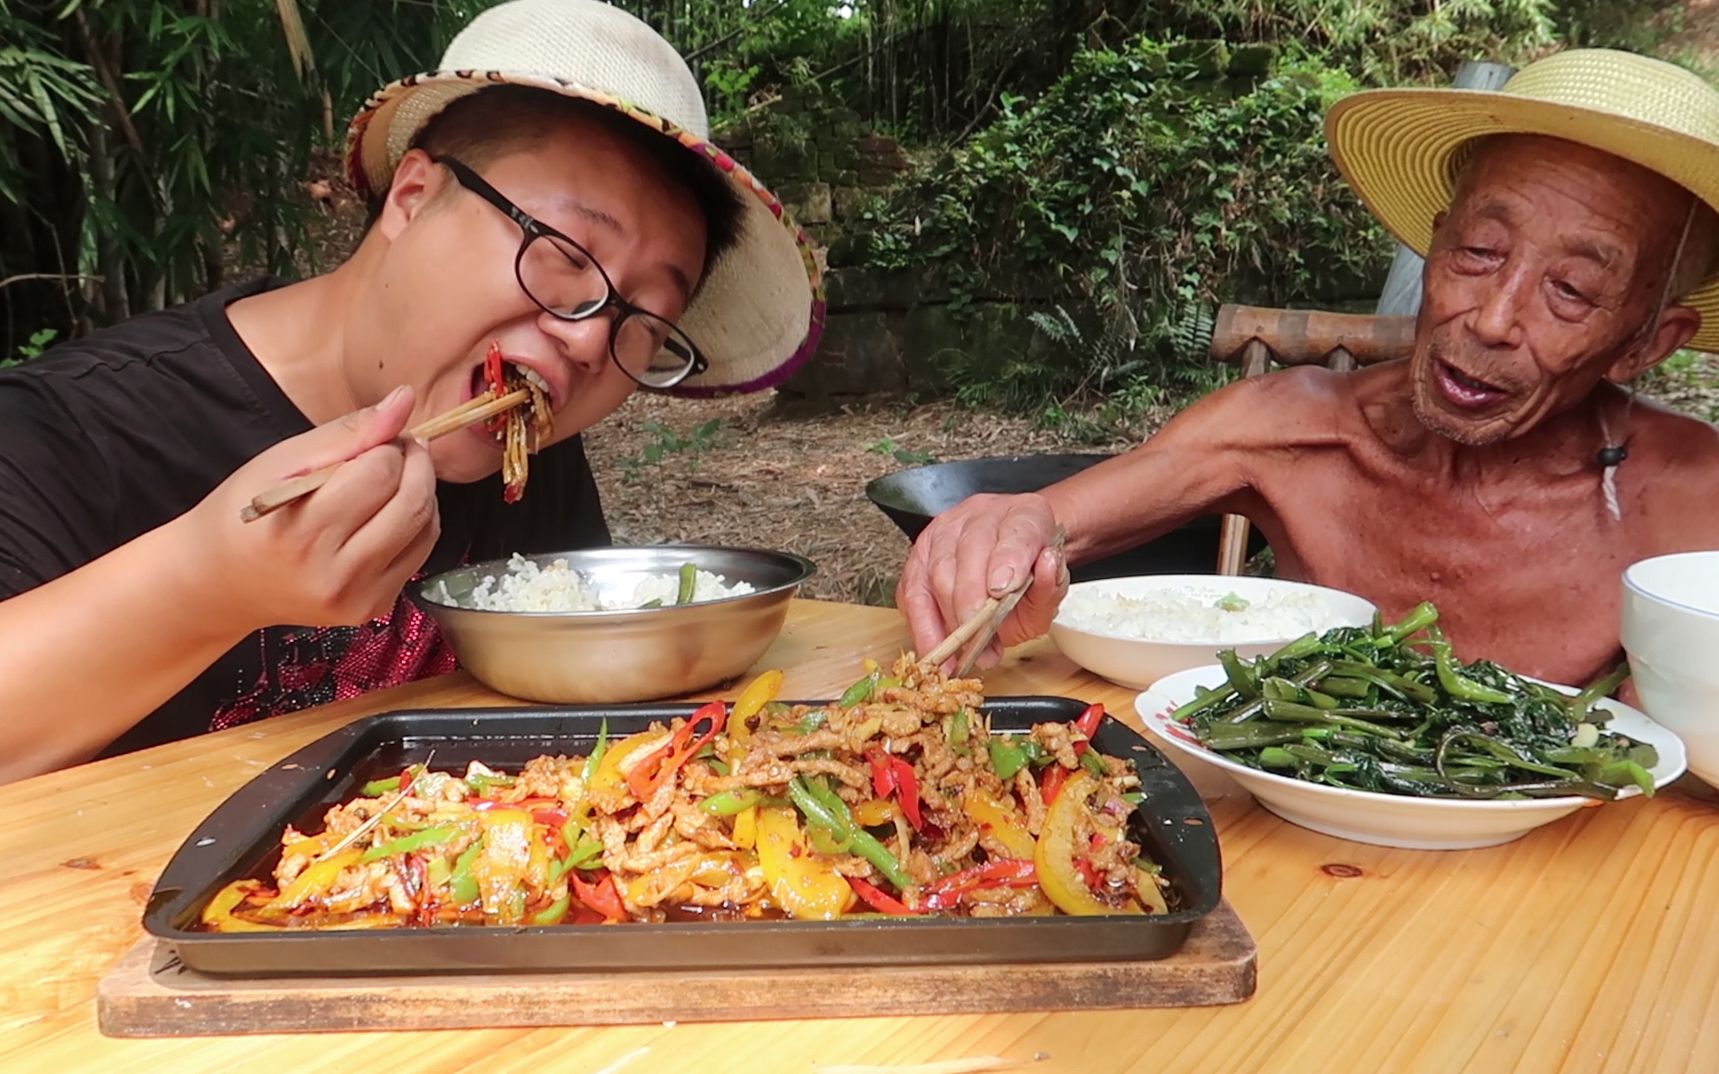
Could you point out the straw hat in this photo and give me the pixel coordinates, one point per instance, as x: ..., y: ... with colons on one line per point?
x: 1400, y: 149
x: 759, y: 311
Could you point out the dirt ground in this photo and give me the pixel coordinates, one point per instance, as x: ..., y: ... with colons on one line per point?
x: 734, y: 471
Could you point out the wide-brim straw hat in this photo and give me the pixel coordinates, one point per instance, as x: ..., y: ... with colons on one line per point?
x: 1401, y: 149
x: 760, y: 308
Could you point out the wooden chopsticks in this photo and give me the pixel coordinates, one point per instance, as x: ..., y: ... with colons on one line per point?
x: 476, y: 409
x: 983, y: 624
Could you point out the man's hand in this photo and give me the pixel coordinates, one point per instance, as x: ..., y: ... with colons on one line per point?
x: 983, y: 547
x: 338, y: 556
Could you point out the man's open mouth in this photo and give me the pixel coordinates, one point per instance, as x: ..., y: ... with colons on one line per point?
x: 511, y: 370
x: 1470, y: 393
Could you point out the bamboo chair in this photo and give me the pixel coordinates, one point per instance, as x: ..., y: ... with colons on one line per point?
x: 1254, y: 337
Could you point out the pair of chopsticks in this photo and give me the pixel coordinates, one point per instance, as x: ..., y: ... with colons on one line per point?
x: 476, y: 409
x: 983, y: 624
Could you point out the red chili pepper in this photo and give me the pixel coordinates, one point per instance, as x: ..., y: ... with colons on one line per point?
x: 907, y: 789
x: 1001, y: 873
x: 1051, y: 785
x: 663, y: 762
x: 553, y: 817
x: 602, y: 896
x: 585, y: 916
x: 405, y: 780
x: 894, y: 775
x: 878, y: 900
x: 1094, y: 879
x: 492, y: 370
x: 882, y: 772
x: 1087, y: 725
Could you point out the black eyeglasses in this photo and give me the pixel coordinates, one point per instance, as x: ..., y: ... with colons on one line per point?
x: 567, y: 283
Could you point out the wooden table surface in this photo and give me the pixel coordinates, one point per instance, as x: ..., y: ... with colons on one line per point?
x: 1590, y: 945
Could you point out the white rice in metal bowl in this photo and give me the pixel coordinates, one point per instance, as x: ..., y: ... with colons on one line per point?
x: 527, y: 587
x: 1187, y: 615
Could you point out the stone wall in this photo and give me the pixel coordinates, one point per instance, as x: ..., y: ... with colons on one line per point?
x: 824, y: 175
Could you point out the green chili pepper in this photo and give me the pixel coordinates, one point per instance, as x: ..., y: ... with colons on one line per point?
x: 1007, y: 758
x: 859, y: 692
x: 688, y: 580
x: 1092, y: 762
x: 814, y: 720
x: 596, y: 757
x: 380, y: 786
x: 482, y: 783
x: 823, y: 807
x: 429, y: 837
x: 438, y: 871
x: 1134, y: 798
x: 462, y: 885
x: 581, y: 856
x: 959, y: 732
x: 555, y: 912
x: 728, y: 803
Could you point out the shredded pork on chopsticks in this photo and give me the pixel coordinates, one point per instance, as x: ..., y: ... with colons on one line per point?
x: 521, y: 433
x: 897, y: 799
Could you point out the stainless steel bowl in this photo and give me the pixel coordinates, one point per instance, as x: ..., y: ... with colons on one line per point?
x: 635, y: 655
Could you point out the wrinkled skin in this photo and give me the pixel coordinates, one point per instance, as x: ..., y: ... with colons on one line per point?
x: 1465, y: 475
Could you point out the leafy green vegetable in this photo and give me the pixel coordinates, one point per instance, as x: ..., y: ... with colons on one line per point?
x: 1389, y: 708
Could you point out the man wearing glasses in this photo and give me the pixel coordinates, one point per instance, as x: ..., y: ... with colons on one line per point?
x: 549, y: 190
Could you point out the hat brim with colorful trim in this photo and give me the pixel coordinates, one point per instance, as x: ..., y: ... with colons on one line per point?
x: 1401, y: 150
x: 759, y: 310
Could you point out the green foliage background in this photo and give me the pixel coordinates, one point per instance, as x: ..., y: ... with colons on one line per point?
x: 1077, y: 153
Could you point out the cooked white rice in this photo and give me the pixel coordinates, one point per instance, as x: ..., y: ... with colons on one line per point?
x: 557, y: 587
x: 1188, y: 615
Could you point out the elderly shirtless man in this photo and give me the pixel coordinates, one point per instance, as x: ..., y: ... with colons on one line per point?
x: 1475, y: 473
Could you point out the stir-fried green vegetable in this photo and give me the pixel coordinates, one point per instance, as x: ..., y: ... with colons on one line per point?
x: 1390, y: 709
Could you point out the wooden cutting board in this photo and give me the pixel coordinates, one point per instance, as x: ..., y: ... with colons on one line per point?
x: 149, y: 993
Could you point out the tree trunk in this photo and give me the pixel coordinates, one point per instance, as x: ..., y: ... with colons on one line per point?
x: 113, y: 303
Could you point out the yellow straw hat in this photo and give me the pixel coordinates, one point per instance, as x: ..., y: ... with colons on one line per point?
x: 1400, y: 149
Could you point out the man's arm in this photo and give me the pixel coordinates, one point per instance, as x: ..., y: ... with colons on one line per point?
x: 1200, y: 462
x: 86, y: 656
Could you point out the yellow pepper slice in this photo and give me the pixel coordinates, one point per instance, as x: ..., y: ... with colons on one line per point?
x: 608, y: 789
x: 1001, y: 821
x: 504, y: 864
x: 218, y: 914
x: 746, y: 828
x: 317, y: 879
x: 875, y: 811
x: 758, y: 693
x: 1054, y: 855
x: 800, y: 881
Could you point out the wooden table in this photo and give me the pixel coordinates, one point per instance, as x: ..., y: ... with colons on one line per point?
x: 1590, y: 945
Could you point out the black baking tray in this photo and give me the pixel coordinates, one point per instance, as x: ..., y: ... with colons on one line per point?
x: 241, y: 838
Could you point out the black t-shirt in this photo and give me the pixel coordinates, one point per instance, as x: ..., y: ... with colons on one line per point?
x: 108, y: 437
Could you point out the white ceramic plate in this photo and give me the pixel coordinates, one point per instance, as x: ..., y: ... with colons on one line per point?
x: 1136, y: 664
x: 1393, y: 820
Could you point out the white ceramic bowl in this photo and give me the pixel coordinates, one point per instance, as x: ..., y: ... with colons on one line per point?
x: 1136, y: 664
x: 1670, y: 631
x: 1393, y: 820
